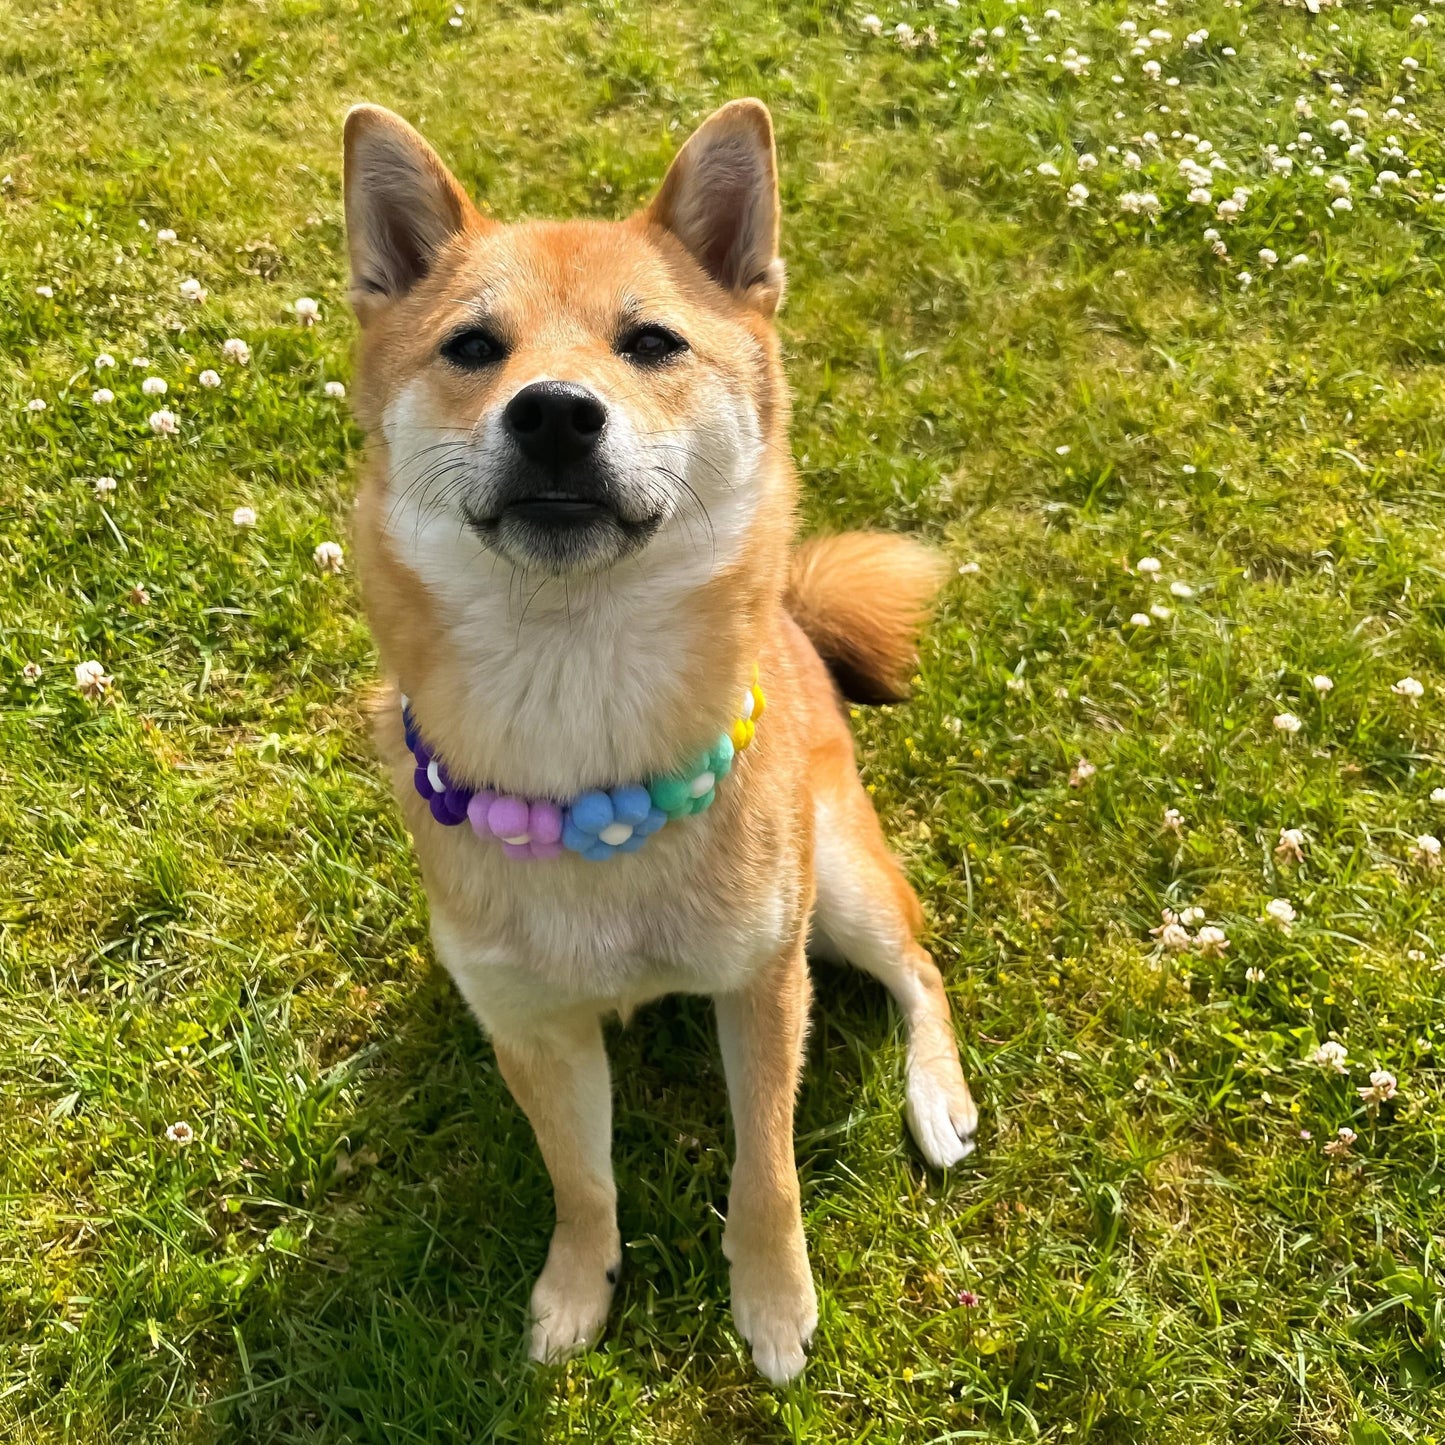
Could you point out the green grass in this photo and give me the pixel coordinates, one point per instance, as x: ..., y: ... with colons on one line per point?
x: 207, y: 907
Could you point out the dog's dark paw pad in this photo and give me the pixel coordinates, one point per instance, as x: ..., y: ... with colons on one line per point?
x: 612, y: 1273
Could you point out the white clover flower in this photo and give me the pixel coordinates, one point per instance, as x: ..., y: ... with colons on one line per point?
x: 328, y: 557
x: 1267, y: 257
x: 1420, y: 22
x: 1340, y: 128
x: 103, y: 487
x: 236, y: 350
x: 1078, y: 194
x: 1211, y: 942
x: 1245, y: 279
x: 1339, y: 1147
x: 35, y: 405
x: 1159, y: 610
x: 1387, y: 178
x: 192, y: 290
x: 209, y: 378
x: 1173, y: 821
x: 92, y: 679
x: 1322, y: 684
x: 1228, y: 209
x: 1287, y: 722
x: 180, y: 1133
x: 1280, y: 912
x: 166, y: 236
x: 1175, y: 937
x: 1254, y: 975
x: 141, y: 363
x: 102, y: 396
x: 104, y: 360
x: 1332, y: 1056
x: 969, y: 569
x: 1296, y: 261
x: 1132, y: 160
x: 1149, y: 566
x: 871, y: 25
x: 1139, y: 203
x: 335, y: 390
x: 1199, y: 196
x: 1152, y: 69
x: 46, y: 291
x: 1127, y: 27
x: 308, y: 311
x: 1181, y: 589
x: 1437, y: 795
x: 1048, y: 168
x: 1426, y: 851
x: 1291, y: 845
x: 1302, y: 107
x: 165, y: 423
x: 1083, y: 771
x: 153, y: 386
x: 1063, y: 450
x: 31, y: 672
x: 139, y: 596
x: 1192, y: 915
x: 1409, y: 63
x: 1409, y: 687
x: 243, y: 517
x: 1139, y: 619
x: 1281, y: 165
x: 1382, y: 1086
x: 1087, y: 162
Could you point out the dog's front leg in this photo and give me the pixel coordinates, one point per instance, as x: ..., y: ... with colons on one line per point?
x: 557, y: 1072
x: 761, y: 1029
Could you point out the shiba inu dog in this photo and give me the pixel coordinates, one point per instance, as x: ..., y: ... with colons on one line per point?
x: 618, y: 732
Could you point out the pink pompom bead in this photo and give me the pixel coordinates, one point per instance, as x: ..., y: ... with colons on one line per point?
x: 509, y: 818
x: 477, y: 812
x: 545, y: 824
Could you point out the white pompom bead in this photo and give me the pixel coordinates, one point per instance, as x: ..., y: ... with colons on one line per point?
x: 616, y: 834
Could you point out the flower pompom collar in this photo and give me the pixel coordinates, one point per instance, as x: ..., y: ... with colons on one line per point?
x: 599, y: 823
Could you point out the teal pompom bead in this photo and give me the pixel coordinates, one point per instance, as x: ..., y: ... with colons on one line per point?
x: 680, y: 795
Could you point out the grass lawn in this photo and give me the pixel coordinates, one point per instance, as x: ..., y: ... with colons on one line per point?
x: 208, y: 911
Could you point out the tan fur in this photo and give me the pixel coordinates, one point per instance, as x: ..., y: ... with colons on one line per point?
x: 863, y: 598
x: 549, y: 684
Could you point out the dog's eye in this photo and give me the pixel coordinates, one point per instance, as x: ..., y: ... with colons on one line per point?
x: 651, y: 344
x: 472, y: 348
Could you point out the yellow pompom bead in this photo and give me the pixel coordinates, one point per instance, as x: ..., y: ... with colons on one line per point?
x: 742, y: 732
x: 759, y: 702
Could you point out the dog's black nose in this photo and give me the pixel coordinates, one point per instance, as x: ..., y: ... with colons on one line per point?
x: 555, y: 423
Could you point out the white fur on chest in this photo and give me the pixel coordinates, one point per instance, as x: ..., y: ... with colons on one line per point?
x: 526, y: 939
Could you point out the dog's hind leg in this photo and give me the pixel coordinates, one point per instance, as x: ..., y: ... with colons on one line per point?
x: 557, y: 1072
x: 867, y: 915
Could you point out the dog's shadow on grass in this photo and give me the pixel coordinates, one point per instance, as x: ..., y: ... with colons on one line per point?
x: 402, y: 1315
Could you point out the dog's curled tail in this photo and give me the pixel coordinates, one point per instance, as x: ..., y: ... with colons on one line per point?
x: 863, y: 598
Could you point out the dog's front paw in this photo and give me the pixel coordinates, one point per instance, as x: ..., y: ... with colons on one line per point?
x: 775, y: 1307
x: 571, y: 1298
x: 941, y: 1114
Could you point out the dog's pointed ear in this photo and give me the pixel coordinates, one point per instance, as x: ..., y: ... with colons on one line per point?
x: 720, y: 199
x: 402, y: 206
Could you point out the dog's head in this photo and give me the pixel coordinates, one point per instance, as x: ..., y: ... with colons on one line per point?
x: 568, y: 398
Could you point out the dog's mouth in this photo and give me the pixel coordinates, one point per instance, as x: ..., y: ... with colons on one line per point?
x: 561, y: 532
x: 557, y: 510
